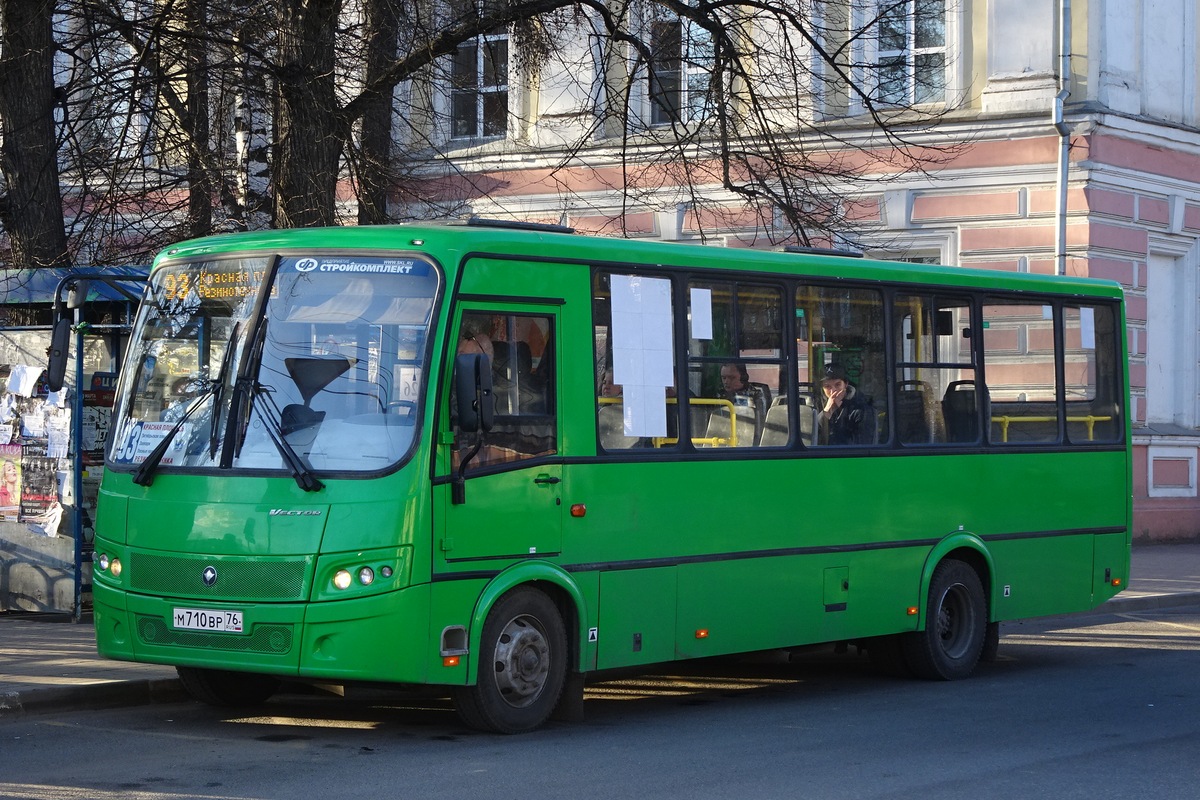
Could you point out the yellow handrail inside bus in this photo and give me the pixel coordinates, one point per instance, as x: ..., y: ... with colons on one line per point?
x: 659, y: 441
x: 1089, y: 420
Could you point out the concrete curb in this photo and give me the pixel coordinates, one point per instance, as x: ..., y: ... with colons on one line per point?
x: 1146, y: 603
x: 112, y: 694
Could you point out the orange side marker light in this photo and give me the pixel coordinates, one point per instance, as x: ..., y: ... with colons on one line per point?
x: 450, y: 661
x: 578, y: 510
x: 913, y: 611
x: 702, y: 633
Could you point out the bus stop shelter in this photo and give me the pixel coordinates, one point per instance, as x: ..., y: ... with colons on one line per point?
x: 51, y: 443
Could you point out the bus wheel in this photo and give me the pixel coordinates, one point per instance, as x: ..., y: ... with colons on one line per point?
x: 955, y: 625
x: 220, y: 688
x: 522, y: 665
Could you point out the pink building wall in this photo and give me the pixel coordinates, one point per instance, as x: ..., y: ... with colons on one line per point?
x: 994, y: 206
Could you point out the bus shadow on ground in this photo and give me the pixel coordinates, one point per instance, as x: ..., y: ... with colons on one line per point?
x: 803, y: 676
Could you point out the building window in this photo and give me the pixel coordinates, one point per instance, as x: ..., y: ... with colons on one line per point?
x: 680, y: 70
x: 903, y: 48
x: 479, y: 83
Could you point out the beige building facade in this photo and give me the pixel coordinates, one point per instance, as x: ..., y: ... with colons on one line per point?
x: 1074, y: 135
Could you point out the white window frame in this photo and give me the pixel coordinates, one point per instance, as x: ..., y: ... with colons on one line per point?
x: 868, y: 49
x: 1187, y: 455
x: 689, y: 73
x: 482, y: 91
x: 1172, y: 319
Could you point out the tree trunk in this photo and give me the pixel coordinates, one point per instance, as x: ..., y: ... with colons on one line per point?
x: 375, y: 155
x: 309, y: 134
x: 200, y: 183
x: 31, y: 205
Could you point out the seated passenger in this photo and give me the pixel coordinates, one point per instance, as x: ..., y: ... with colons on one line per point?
x: 607, y: 387
x: 736, y: 385
x: 848, y: 416
x: 737, y: 389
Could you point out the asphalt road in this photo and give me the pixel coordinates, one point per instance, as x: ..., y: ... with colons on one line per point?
x: 1096, y: 707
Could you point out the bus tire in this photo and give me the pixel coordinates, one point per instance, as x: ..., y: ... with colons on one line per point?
x: 955, y: 625
x: 217, y: 687
x: 522, y: 665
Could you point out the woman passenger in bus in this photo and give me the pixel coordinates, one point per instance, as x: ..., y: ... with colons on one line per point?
x: 607, y: 387
x: 848, y: 416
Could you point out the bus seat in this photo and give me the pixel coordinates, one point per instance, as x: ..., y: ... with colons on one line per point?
x: 808, y: 418
x: 699, y: 417
x: 961, y: 412
x: 807, y: 392
x: 918, y: 416
x: 776, y: 430
x: 719, y: 427
x: 516, y: 389
x: 503, y: 361
x: 766, y: 394
x: 611, y: 419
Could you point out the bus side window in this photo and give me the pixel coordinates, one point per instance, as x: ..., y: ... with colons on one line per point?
x: 937, y: 400
x: 1094, y: 404
x: 1019, y: 359
x: 735, y: 364
x: 519, y: 349
x: 637, y: 404
x: 842, y: 393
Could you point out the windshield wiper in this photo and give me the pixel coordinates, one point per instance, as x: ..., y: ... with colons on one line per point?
x: 145, y: 472
x: 215, y: 389
x: 219, y: 391
x: 304, y: 476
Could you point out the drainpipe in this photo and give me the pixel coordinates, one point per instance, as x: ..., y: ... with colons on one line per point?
x: 1064, y: 132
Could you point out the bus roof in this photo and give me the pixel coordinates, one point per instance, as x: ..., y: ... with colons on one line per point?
x: 451, y: 242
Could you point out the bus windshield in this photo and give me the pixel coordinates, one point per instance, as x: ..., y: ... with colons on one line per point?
x: 310, y: 361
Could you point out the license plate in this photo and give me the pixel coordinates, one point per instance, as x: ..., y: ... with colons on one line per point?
x: 202, y: 619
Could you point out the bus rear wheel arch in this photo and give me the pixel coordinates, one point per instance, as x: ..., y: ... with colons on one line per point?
x: 523, y: 660
x: 956, y: 625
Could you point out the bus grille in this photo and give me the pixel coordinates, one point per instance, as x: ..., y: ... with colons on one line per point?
x: 269, y: 639
x: 180, y: 576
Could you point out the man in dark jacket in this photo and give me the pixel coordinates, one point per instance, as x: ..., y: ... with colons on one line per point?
x: 848, y: 416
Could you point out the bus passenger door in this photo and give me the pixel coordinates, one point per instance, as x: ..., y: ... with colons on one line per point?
x: 511, y: 501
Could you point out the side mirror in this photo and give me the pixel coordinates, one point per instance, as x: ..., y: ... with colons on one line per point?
x: 60, y: 349
x: 77, y: 294
x: 473, y: 384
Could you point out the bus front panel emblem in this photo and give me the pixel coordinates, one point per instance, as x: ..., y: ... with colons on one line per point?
x: 209, y: 576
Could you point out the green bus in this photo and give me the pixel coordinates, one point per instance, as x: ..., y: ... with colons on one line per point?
x: 496, y: 458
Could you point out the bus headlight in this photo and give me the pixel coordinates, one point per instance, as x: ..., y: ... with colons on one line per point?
x: 343, y: 576
x: 110, y: 565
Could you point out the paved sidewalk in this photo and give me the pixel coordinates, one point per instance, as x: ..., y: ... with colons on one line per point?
x: 48, y: 662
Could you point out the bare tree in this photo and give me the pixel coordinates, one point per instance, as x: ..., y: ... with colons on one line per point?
x: 183, y: 117
x: 30, y: 206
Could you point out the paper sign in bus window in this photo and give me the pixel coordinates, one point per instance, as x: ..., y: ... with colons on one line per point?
x: 642, y: 351
x: 1087, y: 328
x: 701, y: 313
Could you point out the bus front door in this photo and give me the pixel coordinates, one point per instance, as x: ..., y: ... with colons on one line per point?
x: 511, y: 495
